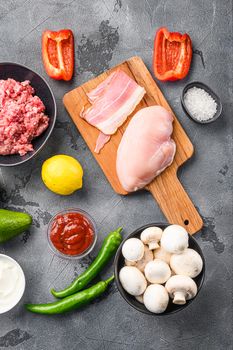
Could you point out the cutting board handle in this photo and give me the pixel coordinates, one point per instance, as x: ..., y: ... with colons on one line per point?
x: 175, y: 202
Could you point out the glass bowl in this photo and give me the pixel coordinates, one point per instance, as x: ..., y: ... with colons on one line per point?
x: 92, y: 223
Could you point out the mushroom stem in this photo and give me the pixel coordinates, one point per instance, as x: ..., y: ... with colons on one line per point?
x: 179, y: 298
x: 153, y: 245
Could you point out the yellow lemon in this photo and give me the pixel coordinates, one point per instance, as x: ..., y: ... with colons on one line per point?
x: 62, y: 174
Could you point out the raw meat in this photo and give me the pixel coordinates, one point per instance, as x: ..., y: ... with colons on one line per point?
x: 112, y: 102
x: 99, y: 90
x: 146, y: 148
x: 22, y: 117
x: 101, y: 140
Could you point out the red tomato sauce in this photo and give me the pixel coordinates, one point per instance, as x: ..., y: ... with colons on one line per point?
x: 72, y: 233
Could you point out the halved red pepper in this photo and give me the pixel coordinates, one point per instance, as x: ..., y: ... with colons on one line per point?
x: 172, y: 55
x: 58, y: 54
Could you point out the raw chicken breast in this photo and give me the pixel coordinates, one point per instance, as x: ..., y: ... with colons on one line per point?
x: 146, y: 148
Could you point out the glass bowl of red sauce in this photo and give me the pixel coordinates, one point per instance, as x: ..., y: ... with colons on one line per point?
x: 72, y: 233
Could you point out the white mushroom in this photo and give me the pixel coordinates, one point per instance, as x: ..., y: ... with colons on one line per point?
x: 162, y: 254
x: 156, y: 298
x: 174, y: 239
x: 157, y: 271
x: 139, y: 298
x: 140, y: 264
x: 188, y: 263
x: 151, y: 236
x: 148, y: 256
x: 132, y: 280
x: 133, y: 249
x: 181, y: 288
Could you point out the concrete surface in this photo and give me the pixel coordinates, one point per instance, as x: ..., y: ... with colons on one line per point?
x: 107, y: 32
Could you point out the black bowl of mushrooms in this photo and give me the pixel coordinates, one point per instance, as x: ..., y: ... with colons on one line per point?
x: 159, y: 269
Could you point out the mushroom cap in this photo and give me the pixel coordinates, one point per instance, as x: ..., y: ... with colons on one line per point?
x: 174, y: 239
x: 156, y: 298
x: 133, y: 249
x: 181, y: 288
x: 162, y: 254
x: 157, y: 271
x: 188, y: 263
x: 132, y: 280
x: 148, y: 256
x: 151, y: 236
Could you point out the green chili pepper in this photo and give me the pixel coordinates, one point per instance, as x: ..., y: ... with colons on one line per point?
x: 108, y: 249
x: 71, y: 302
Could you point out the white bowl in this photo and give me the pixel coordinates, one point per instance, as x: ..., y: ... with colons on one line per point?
x: 20, y: 292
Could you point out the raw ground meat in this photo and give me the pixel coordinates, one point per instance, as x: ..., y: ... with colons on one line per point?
x: 22, y: 117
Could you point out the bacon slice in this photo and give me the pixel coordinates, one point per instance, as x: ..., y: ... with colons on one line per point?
x: 99, y: 90
x: 101, y: 140
x: 112, y: 102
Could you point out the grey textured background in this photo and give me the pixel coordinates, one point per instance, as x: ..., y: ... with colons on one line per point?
x: 107, y: 32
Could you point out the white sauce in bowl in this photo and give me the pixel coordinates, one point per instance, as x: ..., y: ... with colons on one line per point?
x: 12, y: 283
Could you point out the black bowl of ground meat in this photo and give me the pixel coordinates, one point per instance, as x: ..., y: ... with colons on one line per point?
x: 27, y: 113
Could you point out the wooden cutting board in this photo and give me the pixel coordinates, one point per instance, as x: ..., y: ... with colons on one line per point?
x: 166, y: 188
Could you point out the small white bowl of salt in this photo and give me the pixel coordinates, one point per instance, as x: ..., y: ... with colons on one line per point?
x: 201, y: 103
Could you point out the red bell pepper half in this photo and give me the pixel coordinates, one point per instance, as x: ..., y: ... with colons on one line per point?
x: 172, y: 55
x: 58, y: 54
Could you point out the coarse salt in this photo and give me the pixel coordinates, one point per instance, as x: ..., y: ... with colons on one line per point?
x: 200, y: 104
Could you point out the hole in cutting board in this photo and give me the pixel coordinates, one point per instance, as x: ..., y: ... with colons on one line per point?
x: 186, y: 222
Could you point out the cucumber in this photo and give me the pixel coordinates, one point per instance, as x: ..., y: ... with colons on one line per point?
x: 12, y: 224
